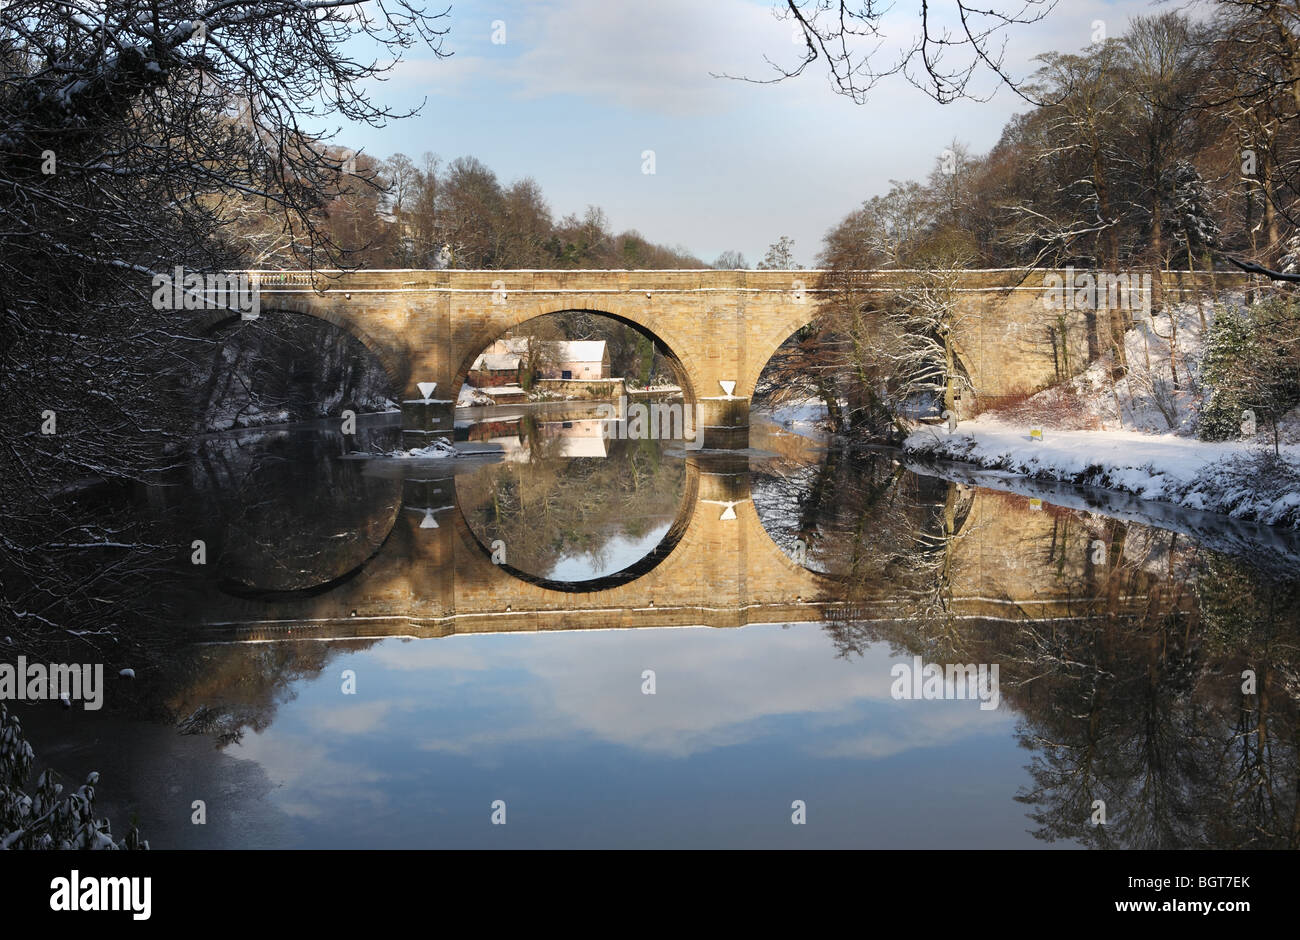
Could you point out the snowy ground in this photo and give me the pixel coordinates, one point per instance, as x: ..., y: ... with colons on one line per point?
x: 1276, y: 546
x: 807, y: 418
x: 438, y: 449
x: 470, y: 396
x: 1240, y: 480
x: 1145, y: 398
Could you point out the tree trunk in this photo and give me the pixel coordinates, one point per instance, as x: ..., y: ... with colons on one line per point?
x: 1157, y: 250
x: 1196, y: 285
x: 1173, y: 348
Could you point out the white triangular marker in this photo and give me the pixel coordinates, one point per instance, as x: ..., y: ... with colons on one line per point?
x: 729, y: 512
x: 426, y: 389
x: 428, y: 522
x: 728, y: 387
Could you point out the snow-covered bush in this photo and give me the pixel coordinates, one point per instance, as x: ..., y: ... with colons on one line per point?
x: 1290, y: 260
x: 46, y: 818
x: 1228, y: 345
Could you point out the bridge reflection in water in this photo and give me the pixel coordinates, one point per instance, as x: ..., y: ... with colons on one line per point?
x: 717, y: 565
x: 1121, y: 647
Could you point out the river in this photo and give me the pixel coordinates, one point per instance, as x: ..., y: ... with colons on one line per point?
x: 503, y: 650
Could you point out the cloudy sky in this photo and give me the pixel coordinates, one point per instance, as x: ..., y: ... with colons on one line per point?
x: 580, y: 89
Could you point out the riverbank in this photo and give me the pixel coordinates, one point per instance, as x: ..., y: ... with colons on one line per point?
x: 1242, y: 480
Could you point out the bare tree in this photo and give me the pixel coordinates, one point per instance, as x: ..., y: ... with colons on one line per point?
x: 951, y: 45
x: 919, y: 339
x: 780, y: 255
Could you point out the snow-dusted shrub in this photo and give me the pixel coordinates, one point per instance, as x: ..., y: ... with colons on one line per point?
x: 46, y: 818
x: 1229, y: 343
x: 1252, y: 363
x: 1257, y: 485
x: 1159, y: 391
x: 1060, y: 406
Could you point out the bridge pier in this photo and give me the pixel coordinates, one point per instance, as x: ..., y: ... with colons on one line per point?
x: 724, y: 421
x: 426, y: 420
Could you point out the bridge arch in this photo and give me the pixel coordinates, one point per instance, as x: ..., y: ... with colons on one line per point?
x: 786, y: 329
x: 719, y: 569
x: 937, y: 514
x: 768, y: 344
x: 392, y: 357
x: 699, y: 537
x: 647, y: 325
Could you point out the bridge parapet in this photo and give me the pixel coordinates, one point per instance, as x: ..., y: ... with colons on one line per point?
x: 703, y: 279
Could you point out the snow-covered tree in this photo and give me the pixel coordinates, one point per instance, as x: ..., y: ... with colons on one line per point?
x: 1190, y: 216
x: 918, y: 342
x: 1252, y: 368
x: 48, y: 818
x: 130, y: 136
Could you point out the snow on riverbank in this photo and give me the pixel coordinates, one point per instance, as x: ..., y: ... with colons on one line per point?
x: 806, y: 418
x: 1240, y: 480
x: 470, y: 397
x: 1275, y: 546
x: 1136, y: 433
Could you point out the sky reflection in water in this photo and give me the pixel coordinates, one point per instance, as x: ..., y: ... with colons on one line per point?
x: 743, y: 722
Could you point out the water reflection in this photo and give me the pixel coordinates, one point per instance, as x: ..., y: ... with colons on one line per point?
x: 1162, y: 694
x: 568, y: 504
x: 280, y: 513
x: 1140, y: 668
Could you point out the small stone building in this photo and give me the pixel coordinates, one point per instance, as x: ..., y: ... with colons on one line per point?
x: 577, y: 359
x: 500, y: 363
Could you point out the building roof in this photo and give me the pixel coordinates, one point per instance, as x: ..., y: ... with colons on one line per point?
x: 587, y: 350
x: 510, y: 344
x: 496, y: 362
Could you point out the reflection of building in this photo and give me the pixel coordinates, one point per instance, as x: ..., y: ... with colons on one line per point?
x: 584, y: 437
x: 577, y: 438
x: 501, y: 363
x: 494, y: 429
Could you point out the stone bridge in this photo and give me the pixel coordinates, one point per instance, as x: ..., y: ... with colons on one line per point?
x: 720, y: 327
